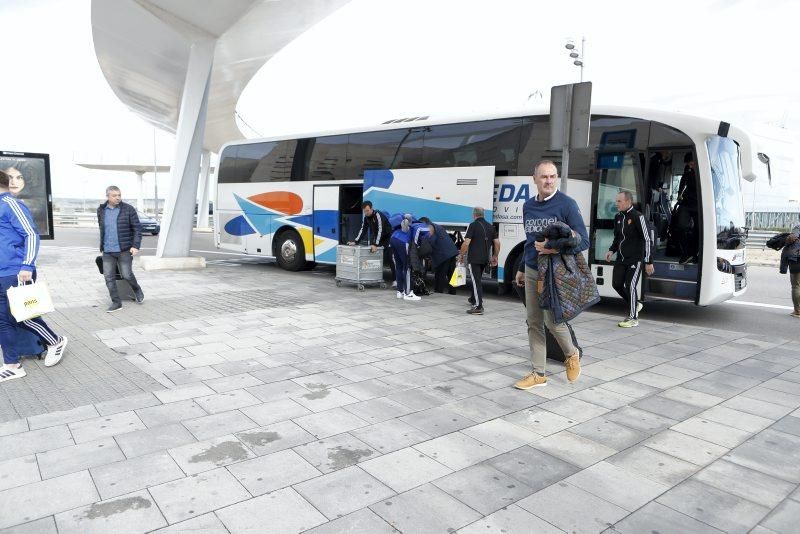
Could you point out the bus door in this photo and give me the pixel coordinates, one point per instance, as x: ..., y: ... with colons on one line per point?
x: 675, y: 228
x: 325, y: 223
x: 615, y: 172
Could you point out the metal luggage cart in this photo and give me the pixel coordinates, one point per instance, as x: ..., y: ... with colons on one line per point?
x: 359, y: 266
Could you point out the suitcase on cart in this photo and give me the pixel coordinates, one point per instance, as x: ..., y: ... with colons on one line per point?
x: 124, y: 289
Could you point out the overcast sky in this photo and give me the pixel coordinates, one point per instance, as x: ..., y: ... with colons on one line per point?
x: 379, y: 59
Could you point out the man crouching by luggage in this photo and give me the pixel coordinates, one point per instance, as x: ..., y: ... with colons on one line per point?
x: 548, y: 206
x: 20, y: 245
x: 120, y: 240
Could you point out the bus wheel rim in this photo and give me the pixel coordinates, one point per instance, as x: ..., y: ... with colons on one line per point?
x: 289, y: 250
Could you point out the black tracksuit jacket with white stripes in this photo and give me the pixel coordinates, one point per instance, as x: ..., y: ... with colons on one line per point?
x: 631, y: 238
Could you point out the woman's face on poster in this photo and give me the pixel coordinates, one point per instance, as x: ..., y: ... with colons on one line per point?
x: 16, y: 182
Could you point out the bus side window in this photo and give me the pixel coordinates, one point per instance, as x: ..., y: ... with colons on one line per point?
x: 473, y: 144
x: 328, y: 158
x: 372, y: 151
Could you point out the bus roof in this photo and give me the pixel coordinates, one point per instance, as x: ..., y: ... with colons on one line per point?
x: 680, y: 121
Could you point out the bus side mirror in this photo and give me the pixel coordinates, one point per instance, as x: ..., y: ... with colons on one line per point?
x: 763, y: 158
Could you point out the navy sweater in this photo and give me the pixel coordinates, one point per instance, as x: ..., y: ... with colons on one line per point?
x: 537, y: 215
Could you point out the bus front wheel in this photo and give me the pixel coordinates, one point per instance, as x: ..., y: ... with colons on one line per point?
x: 290, y: 252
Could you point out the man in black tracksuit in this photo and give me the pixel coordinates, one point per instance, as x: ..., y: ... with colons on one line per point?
x: 633, y: 247
x: 481, y: 248
x: 377, y: 229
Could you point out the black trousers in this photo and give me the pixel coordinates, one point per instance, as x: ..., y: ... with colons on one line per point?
x: 476, y: 273
x: 625, y: 281
x: 442, y: 274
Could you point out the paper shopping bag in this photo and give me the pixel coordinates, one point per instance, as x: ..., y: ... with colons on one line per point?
x: 459, y: 277
x: 29, y: 300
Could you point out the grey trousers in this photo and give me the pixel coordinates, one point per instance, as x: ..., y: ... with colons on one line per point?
x: 795, y: 278
x: 538, y: 320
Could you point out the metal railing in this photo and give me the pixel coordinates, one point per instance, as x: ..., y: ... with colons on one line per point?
x: 757, y: 239
x: 772, y: 220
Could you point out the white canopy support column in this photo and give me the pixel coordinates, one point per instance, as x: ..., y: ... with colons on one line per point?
x: 140, y: 190
x: 202, y: 205
x: 176, y: 228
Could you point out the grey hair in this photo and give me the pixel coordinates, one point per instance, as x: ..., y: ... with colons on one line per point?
x: 111, y: 188
x: 477, y: 211
x: 627, y: 194
x: 544, y: 162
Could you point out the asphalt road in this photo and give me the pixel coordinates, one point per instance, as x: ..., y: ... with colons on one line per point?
x: 763, y: 309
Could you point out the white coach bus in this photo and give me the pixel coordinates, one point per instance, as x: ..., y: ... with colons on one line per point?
x: 294, y: 199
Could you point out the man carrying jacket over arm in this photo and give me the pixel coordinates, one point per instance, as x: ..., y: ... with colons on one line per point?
x: 634, y: 249
x: 548, y: 206
x: 120, y: 240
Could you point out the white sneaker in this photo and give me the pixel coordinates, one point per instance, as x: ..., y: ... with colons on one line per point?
x: 10, y: 373
x: 394, y: 284
x: 399, y: 294
x: 639, y: 307
x: 411, y: 296
x: 55, y: 352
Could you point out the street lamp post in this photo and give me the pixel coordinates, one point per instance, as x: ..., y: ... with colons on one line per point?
x: 578, y: 56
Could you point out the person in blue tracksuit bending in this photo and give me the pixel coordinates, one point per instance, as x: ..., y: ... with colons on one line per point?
x: 407, y: 235
x: 19, y: 245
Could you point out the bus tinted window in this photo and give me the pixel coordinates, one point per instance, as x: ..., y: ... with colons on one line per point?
x: 328, y: 158
x: 380, y: 150
x: 474, y: 144
x: 227, y: 165
x: 409, y: 155
x: 662, y: 135
x: 263, y: 162
x: 535, y: 145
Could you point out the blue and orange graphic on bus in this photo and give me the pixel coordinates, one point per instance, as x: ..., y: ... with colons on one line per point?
x: 266, y: 213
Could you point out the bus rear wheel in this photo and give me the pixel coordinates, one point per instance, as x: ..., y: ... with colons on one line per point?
x: 290, y: 252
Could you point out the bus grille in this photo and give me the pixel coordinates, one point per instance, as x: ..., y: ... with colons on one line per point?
x: 741, y: 280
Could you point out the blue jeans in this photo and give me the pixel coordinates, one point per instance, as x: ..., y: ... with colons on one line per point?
x: 9, y: 325
x: 123, y: 261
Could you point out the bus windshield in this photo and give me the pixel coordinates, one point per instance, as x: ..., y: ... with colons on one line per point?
x: 723, y: 153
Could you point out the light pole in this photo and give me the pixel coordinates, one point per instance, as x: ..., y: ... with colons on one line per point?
x: 578, y: 56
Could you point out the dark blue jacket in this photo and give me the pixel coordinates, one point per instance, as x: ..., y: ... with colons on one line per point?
x: 538, y: 215
x: 129, y: 229
x: 443, y: 247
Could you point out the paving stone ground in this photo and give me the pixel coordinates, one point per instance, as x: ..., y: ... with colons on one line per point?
x: 246, y: 399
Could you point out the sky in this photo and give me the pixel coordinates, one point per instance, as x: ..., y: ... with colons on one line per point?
x: 379, y: 59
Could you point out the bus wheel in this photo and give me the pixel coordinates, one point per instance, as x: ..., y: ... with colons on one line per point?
x: 290, y: 252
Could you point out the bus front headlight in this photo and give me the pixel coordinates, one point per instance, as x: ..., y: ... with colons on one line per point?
x: 724, y: 265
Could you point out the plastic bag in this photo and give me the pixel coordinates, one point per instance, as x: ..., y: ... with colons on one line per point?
x: 27, y: 301
x: 459, y: 277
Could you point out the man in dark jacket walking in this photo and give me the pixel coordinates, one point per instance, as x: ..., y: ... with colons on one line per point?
x: 120, y: 240
x: 792, y: 251
x: 633, y: 247
x: 481, y: 248
x: 443, y: 256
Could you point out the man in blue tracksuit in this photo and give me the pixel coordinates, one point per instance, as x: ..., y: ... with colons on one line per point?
x: 19, y: 245
x: 402, y: 239
x: 548, y: 206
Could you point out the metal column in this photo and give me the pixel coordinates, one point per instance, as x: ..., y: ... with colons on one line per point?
x: 176, y: 233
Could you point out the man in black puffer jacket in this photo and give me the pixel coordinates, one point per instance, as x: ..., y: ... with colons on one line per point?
x: 120, y: 240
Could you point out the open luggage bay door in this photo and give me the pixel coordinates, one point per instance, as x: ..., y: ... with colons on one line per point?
x: 445, y: 195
